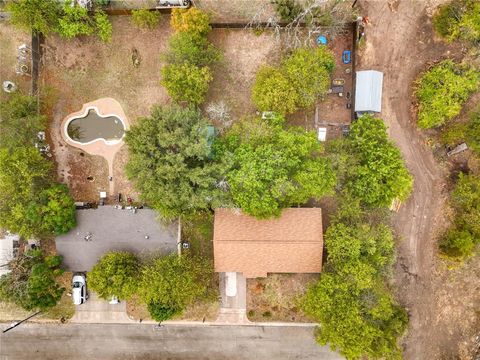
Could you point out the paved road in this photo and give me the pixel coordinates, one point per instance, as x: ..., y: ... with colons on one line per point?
x: 142, y: 342
x: 113, y: 229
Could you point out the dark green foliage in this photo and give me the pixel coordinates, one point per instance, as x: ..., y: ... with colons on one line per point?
x: 369, y: 166
x: 442, y: 91
x: 115, y: 274
x: 288, y: 10
x: 473, y: 131
x: 272, y: 167
x: 301, y: 79
x: 187, y: 48
x: 35, y: 15
x: 357, y: 314
x: 102, y: 2
x: 170, y: 162
x: 171, y: 283
x: 31, y: 283
x: 457, y: 243
x: 19, y: 121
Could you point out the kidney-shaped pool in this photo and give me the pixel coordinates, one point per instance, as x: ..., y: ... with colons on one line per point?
x: 93, y: 126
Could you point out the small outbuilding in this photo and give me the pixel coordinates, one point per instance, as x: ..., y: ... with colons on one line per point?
x: 368, y: 91
x: 291, y: 243
x: 8, y: 245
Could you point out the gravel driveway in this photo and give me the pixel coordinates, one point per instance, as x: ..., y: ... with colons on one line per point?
x: 113, y: 229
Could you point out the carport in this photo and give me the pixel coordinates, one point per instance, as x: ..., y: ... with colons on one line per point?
x: 106, y: 229
x: 368, y: 91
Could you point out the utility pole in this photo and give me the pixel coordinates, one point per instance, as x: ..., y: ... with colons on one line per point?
x: 15, y: 324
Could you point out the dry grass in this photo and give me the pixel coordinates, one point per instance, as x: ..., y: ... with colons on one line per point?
x: 277, y: 297
x: 64, y: 308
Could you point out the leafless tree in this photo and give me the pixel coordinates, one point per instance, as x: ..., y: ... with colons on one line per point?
x: 220, y: 112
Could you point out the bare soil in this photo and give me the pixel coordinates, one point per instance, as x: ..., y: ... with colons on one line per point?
x: 276, y: 297
x: 443, y: 303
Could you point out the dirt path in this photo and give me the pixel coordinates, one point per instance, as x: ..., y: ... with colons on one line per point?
x: 400, y: 43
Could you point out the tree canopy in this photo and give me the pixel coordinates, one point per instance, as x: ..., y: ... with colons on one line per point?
x: 171, y: 283
x: 35, y: 15
x: 145, y: 19
x: 170, y: 162
x: 357, y: 314
x: 458, y: 19
x: 192, y: 20
x: 116, y: 274
x: 298, y: 82
x: 31, y: 284
x: 442, y: 91
x: 272, y: 166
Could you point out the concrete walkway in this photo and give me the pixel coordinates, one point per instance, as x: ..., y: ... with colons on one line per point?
x: 233, y: 309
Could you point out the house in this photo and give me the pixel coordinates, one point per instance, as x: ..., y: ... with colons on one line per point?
x: 291, y: 243
x: 368, y: 92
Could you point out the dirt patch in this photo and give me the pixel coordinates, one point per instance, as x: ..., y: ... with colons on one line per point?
x: 400, y: 42
x: 276, y: 297
x: 10, y: 39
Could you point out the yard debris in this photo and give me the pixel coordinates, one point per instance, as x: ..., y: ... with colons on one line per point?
x: 458, y: 149
x: 136, y: 59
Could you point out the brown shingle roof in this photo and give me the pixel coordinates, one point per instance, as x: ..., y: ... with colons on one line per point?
x: 292, y: 243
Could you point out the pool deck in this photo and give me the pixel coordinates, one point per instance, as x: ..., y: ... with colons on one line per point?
x: 104, y: 106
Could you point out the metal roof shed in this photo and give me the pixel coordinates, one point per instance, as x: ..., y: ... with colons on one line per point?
x: 368, y: 91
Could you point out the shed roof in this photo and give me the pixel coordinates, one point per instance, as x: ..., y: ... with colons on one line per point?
x: 292, y: 243
x: 368, y: 91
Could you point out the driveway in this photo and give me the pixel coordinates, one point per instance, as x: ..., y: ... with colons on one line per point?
x: 113, y: 229
x: 174, y: 342
x: 98, y: 311
x: 233, y: 308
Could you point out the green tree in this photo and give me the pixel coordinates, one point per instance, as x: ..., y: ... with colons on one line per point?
x: 459, y: 19
x: 187, y: 48
x: 171, y: 283
x: 458, y: 244
x: 192, y: 20
x: 272, y: 167
x: 31, y: 283
x: 170, y: 162
x: 145, y: 19
x: 186, y: 82
x: 103, y: 26
x: 75, y: 21
x: 288, y: 10
x: 356, y: 313
x: 378, y: 174
x: 19, y: 121
x: 442, y: 91
x: 309, y: 71
x: 35, y: 15
x: 446, y: 18
x: 116, y: 274
x: 273, y: 91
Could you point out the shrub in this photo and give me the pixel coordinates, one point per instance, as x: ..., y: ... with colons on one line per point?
x: 102, y: 3
x: 459, y: 19
x: 473, y: 131
x: 186, y: 82
x: 187, y: 48
x: 192, y: 20
x: 288, y: 10
x: 442, y: 91
x: 273, y: 91
x: 446, y: 18
x: 103, y: 26
x: 145, y: 19
x: 457, y: 243
x: 171, y: 283
x: 115, y: 274
x: 75, y: 22
x: 35, y: 15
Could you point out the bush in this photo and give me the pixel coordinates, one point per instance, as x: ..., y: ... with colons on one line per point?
x: 35, y: 15
x: 457, y: 243
x: 288, y: 10
x: 145, y: 19
x: 75, y: 21
x: 192, y: 20
x: 171, y: 283
x: 186, y: 82
x: 473, y: 131
x: 273, y: 91
x: 446, y: 18
x: 103, y: 26
x: 187, y: 48
x: 115, y: 274
x: 459, y: 19
x: 442, y: 91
